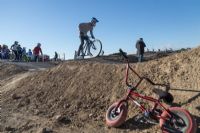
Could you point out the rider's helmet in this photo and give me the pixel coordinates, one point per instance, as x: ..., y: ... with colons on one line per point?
x: 94, y: 21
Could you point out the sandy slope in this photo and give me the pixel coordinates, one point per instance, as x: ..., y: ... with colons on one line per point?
x: 80, y: 92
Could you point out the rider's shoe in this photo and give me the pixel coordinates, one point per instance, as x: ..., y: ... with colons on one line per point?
x: 94, y: 47
x: 82, y: 54
x: 79, y: 57
x: 90, y: 54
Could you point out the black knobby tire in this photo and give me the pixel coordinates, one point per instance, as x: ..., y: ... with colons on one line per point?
x: 96, y: 48
x: 116, y: 119
x: 189, y: 125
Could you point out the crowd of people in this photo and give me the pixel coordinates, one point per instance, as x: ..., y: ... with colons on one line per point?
x: 18, y: 53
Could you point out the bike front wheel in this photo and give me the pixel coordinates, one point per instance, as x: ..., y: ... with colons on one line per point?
x: 96, y: 48
x: 179, y: 121
x: 115, y: 117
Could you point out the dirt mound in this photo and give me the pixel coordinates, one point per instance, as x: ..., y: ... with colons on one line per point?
x: 74, y: 96
x: 8, y: 70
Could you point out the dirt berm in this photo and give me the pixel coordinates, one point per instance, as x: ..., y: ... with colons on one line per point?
x: 74, y: 96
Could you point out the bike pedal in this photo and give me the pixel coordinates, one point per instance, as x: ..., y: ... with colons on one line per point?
x: 94, y: 47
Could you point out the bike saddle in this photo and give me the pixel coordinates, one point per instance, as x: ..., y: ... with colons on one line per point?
x: 166, y: 97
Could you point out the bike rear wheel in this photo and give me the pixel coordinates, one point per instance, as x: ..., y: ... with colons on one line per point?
x: 95, y: 48
x: 12, y: 56
x: 181, y: 121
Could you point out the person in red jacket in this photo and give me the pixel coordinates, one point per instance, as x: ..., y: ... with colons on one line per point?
x: 36, y: 51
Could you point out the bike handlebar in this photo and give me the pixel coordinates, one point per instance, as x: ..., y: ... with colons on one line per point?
x: 123, y: 53
x: 140, y: 77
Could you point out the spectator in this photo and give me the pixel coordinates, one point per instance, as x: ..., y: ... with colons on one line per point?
x: 24, y: 57
x: 23, y: 51
x: 14, y: 49
x: 5, y: 52
x: 140, y: 49
x: 19, y: 51
x: 0, y: 52
x: 56, y: 56
x: 29, y: 54
x: 36, y: 52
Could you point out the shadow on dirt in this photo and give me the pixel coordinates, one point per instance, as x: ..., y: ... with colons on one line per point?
x: 191, y: 99
x: 133, y: 124
x: 133, y: 58
x: 198, y: 108
x: 117, y: 58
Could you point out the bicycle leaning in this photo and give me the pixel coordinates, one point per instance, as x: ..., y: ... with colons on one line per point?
x: 92, y: 45
x: 171, y: 120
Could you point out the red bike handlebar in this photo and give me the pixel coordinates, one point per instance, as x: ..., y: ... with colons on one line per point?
x: 141, y: 78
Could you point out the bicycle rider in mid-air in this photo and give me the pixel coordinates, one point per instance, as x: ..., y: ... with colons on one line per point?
x: 84, y: 28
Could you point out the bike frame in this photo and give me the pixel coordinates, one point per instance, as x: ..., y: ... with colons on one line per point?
x: 86, y: 46
x: 131, y: 94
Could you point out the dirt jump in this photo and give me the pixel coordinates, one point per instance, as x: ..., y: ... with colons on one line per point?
x: 73, y: 96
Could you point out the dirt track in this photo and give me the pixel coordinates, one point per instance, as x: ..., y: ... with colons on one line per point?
x: 74, y: 96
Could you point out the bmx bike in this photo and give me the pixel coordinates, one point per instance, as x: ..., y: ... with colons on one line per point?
x: 171, y: 120
x: 92, y: 45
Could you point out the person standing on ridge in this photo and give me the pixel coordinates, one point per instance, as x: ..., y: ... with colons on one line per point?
x: 84, y: 28
x: 140, y: 49
x: 56, y: 56
x: 36, y: 51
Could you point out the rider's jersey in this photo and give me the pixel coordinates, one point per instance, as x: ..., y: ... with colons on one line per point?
x: 85, y: 27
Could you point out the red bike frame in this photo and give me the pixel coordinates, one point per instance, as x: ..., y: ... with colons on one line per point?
x: 131, y: 94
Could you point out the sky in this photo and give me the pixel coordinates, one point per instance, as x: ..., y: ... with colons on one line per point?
x: 54, y: 23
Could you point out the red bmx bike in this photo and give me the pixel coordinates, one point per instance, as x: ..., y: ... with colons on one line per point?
x: 171, y: 120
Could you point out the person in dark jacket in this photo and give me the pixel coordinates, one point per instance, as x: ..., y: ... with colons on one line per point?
x: 56, y: 56
x: 140, y: 49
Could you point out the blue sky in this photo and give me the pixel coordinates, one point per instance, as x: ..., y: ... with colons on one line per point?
x: 54, y: 23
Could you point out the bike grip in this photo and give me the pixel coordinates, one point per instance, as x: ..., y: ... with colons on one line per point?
x: 123, y: 53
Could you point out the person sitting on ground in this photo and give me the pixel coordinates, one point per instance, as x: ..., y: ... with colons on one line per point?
x: 84, y: 28
x: 36, y: 52
x: 140, y: 49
